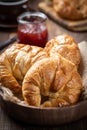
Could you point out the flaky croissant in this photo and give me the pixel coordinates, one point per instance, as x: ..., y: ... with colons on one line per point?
x: 15, y: 62
x: 72, y: 10
x: 53, y: 69
x: 54, y: 78
x: 66, y: 46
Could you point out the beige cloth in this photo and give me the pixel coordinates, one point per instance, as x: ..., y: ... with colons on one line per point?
x: 83, y: 67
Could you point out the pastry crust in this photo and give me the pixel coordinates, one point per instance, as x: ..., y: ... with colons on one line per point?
x: 66, y: 46
x: 15, y: 62
x: 72, y: 10
x: 47, y: 77
x: 55, y: 78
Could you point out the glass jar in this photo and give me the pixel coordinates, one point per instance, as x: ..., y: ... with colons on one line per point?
x: 32, y: 29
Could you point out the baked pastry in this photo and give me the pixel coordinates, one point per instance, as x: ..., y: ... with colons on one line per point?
x: 15, y: 62
x: 72, y: 10
x: 47, y: 76
x: 66, y: 46
x: 55, y: 79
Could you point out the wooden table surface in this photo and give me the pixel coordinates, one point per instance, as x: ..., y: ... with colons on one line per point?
x: 7, y: 123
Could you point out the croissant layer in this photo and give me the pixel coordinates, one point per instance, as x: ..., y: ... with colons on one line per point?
x: 55, y: 78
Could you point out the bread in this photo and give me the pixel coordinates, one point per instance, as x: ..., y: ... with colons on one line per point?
x: 54, y: 78
x: 72, y: 10
x: 15, y: 62
x: 47, y: 77
x: 66, y: 46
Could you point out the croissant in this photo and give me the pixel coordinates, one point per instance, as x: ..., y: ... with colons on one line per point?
x: 15, y: 62
x: 46, y: 76
x: 72, y: 10
x: 54, y: 78
x: 66, y: 46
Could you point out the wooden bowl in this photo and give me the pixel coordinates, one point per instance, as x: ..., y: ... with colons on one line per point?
x: 43, y: 116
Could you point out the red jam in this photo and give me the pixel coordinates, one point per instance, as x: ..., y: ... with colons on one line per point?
x: 34, y: 33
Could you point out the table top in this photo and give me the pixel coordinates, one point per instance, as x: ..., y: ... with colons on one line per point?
x: 7, y: 123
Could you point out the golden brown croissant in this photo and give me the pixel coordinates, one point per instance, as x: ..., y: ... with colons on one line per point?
x: 15, y: 62
x: 72, y: 10
x: 54, y: 74
x: 66, y: 46
x: 54, y: 78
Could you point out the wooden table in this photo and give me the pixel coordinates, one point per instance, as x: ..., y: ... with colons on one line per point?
x: 7, y: 123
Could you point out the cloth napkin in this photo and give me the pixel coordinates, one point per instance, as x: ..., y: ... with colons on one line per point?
x: 83, y: 67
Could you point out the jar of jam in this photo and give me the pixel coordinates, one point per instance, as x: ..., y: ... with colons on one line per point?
x: 32, y: 29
